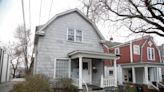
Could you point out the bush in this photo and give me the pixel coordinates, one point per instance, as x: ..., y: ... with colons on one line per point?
x: 36, y: 83
x: 66, y: 85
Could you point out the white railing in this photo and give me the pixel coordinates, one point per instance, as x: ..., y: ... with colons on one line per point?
x: 107, y: 82
x: 151, y: 85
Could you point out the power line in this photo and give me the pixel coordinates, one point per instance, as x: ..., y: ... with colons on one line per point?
x: 40, y: 11
x: 50, y: 9
x: 30, y: 13
x: 24, y: 23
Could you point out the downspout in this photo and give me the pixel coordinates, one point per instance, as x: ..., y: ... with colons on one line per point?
x: 131, y: 52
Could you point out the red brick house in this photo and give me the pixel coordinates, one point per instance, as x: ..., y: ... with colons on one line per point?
x: 139, y: 61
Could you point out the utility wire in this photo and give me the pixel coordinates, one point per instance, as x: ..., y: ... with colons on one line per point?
x: 40, y: 11
x: 24, y: 23
x: 30, y: 13
x: 50, y: 9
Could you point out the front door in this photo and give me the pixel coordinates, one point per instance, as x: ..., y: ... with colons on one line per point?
x: 87, y: 70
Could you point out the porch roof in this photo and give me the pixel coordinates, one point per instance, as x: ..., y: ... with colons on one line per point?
x: 143, y: 64
x: 91, y: 54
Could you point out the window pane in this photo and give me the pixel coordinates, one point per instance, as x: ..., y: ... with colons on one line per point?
x: 70, y: 34
x: 78, y: 35
x: 70, y: 37
x: 62, y: 68
x: 78, y: 39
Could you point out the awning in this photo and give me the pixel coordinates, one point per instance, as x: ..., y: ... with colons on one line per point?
x: 91, y: 54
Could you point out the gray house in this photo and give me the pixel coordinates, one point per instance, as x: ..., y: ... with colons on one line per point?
x: 70, y: 45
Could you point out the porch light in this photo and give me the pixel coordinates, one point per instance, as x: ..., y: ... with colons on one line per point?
x: 94, y: 69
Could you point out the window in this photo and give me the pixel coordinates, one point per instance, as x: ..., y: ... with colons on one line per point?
x: 70, y: 35
x: 150, y: 53
x: 110, y: 72
x: 74, y: 35
x: 117, y: 51
x: 136, y: 49
x: 62, y: 67
x: 78, y: 35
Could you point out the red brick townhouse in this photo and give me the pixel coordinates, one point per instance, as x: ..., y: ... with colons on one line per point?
x: 139, y: 61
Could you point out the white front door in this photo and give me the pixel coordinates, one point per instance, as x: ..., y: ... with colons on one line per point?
x: 87, y: 71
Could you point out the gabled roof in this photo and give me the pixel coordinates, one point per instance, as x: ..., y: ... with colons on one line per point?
x: 41, y: 30
x: 126, y: 43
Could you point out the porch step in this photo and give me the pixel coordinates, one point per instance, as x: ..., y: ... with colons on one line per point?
x: 110, y: 89
x: 94, y: 87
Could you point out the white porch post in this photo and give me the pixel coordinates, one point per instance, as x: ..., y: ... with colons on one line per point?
x: 115, y: 72
x: 133, y: 74
x: 160, y: 74
x: 146, y: 75
x: 80, y: 72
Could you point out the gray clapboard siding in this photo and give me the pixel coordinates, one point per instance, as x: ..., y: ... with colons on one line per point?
x: 54, y: 43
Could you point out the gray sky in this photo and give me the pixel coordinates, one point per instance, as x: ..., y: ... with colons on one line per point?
x: 11, y: 17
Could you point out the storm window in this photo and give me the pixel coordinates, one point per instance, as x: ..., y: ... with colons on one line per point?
x: 150, y: 53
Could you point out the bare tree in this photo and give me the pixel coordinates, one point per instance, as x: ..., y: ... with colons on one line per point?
x: 14, y: 55
x: 139, y: 16
x: 24, y: 46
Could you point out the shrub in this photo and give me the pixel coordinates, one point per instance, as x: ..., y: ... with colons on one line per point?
x: 36, y: 83
x: 65, y: 84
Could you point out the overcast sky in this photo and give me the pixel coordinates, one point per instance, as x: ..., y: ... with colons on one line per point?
x: 11, y: 17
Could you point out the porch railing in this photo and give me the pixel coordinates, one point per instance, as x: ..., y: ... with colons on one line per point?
x: 107, y: 81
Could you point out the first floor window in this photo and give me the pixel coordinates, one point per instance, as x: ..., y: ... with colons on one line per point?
x: 62, y: 68
x: 150, y: 53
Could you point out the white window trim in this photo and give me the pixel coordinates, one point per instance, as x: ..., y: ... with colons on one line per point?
x: 138, y: 48
x: 118, y: 51
x: 69, y: 70
x: 153, y: 58
x: 75, y: 36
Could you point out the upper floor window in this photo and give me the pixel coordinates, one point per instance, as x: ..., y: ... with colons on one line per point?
x: 74, y: 35
x: 117, y: 51
x: 70, y: 35
x: 78, y: 35
x: 136, y: 49
x: 150, y: 53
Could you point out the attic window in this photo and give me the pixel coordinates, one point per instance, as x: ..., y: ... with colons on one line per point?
x: 74, y: 35
x: 70, y: 35
x: 136, y: 49
x: 117, y: 51
x: 150, y: 53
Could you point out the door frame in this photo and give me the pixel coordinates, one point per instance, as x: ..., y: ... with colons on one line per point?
x: 89, y: 69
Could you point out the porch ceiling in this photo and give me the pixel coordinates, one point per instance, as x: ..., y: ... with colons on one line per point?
x: 91, y: 54
x: 149, y: 64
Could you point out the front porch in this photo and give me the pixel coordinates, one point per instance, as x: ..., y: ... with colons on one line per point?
x: 145, y: 73
x: 87, y: 68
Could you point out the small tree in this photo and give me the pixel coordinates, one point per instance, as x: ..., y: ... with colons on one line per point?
x: 24, y: 47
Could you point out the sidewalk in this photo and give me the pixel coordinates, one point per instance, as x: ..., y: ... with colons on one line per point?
x: 6, y: 87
